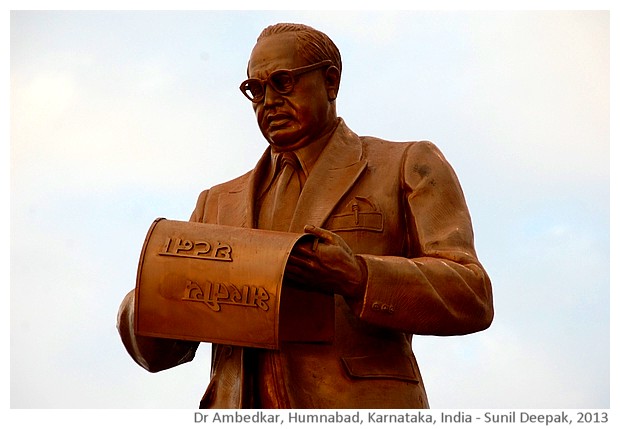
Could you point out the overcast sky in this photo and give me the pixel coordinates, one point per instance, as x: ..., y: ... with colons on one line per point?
x: 118, y: 118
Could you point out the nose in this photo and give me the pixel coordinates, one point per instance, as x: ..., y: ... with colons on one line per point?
x: 272, y: 97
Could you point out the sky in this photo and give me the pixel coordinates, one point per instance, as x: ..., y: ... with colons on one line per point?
x: 120, y: 117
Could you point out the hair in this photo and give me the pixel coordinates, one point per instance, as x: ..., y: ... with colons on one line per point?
x: 312, y: 45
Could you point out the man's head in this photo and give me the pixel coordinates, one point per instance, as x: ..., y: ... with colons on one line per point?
x: 293, y: 108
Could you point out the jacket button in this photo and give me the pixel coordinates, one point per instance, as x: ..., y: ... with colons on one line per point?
x: 383, y: 307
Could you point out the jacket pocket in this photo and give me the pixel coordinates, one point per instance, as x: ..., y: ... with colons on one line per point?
x: 359, y: 214
x: 391, y: 367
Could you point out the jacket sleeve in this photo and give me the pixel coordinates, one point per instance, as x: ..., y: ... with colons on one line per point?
x: 152, y: 354
x: 440, y: 287
x: 155, y: 354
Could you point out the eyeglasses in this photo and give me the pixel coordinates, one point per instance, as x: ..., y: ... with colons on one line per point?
x: 282, y: 81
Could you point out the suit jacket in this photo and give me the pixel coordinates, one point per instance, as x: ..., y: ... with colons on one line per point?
x: 400, y: 208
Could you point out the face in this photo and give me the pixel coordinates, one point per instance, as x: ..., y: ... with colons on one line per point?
x: 293, y: 120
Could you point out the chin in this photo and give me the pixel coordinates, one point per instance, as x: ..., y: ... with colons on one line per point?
x: 284, y: 142
x: 282, y: 147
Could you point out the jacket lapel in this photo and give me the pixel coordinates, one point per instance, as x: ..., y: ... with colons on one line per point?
x: 236, y: 207
x: 336, y: 170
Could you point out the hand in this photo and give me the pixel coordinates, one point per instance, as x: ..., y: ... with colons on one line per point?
x: 326, y: 263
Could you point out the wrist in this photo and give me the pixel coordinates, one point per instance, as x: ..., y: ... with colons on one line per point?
x: 358, y: 286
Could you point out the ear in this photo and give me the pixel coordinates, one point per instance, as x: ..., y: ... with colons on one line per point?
x: 332, y: 82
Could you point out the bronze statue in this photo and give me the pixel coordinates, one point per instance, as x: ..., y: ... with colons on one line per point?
x: 394, y: 245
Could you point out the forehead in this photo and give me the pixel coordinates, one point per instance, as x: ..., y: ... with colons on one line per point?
x: 278, y: 51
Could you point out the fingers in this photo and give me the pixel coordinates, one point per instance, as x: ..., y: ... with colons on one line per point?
x: 302, y: 258
x: 297, y: 268
x: 325, y: 235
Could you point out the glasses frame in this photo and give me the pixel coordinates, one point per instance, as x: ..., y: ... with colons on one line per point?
x: 293, y: 73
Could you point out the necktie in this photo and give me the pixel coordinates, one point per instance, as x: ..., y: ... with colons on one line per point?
x: 287, y: 190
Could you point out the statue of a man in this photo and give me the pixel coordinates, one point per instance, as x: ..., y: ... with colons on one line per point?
x: 395, y: 245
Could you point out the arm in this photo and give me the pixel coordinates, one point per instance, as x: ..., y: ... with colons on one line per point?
x: 154, y: 354
x: 440, y: 287
x: 443, y: 289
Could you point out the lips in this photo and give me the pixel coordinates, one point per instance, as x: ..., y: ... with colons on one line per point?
x: 277, y: 120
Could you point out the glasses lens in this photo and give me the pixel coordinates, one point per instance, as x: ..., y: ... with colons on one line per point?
x: 282, y: 81
x: 253, y: 89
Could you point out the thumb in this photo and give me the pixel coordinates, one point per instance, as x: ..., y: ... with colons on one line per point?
x: 325, y: 235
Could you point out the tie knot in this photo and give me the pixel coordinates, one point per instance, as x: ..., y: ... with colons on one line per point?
x: 289, y: 159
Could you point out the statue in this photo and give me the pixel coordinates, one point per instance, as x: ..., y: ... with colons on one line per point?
x: 393, y: 245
